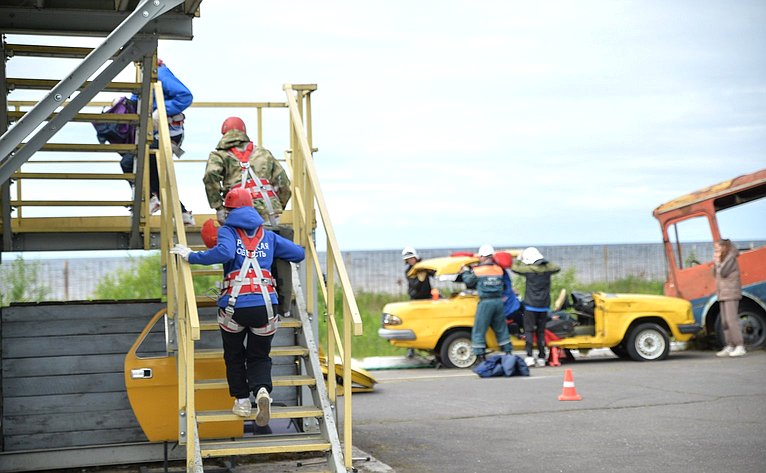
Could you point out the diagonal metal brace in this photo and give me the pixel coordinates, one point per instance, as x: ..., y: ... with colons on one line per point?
x: 10, y: 161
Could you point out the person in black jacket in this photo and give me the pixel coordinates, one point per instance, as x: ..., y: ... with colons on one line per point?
x: 537, y: 272
x: 419, y: 284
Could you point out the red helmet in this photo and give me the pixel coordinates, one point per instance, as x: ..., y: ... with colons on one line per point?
x: 503, y: 259
x: 233, y: 123
x: 238, y: 197
x: 209, y: 233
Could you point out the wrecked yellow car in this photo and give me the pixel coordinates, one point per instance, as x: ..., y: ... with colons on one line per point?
x: 634, y: 326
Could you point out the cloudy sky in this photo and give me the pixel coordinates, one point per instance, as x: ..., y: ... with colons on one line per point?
x: 453, y: 123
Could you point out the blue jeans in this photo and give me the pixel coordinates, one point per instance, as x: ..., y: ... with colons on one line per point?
x: 489, y: 313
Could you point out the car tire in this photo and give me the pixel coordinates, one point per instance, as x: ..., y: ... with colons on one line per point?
x: 648, y: 342
x: 753, y: 324
x: 456, y: 350
x: 620, y: 351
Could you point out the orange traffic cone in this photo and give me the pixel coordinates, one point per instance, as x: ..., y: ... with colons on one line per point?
x: 553, y: 357
x: 569, y: 393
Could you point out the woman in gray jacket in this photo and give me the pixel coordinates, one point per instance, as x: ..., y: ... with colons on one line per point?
x: 729, y: 290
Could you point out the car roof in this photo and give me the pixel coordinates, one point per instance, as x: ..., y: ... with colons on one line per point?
x: 444, y: 265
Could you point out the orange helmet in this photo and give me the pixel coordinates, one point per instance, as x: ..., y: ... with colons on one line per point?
x: 503, y: 259
x: 233, y: 123
x: 238, y: 197
x: 209, y: 233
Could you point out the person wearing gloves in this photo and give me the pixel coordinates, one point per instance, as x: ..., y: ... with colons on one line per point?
x: 237, y: 162
x: 537, y: 272
x: 487, y: 278
x: 246, y: 307
x: 729, y: 291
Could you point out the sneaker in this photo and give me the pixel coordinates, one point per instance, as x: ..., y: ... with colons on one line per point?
x: 530, y: 361
x: 739, y: 350
x: 242, y: 407
x: 187, y: 218
x: 540, y: 363
x: 726, y: 351
x: 263, y: 401
x: 154, y: 205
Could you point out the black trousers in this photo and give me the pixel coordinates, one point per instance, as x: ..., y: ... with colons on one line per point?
x: 534, y: 322
x: 248, y: 364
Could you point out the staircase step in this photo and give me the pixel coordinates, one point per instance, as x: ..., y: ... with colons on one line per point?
x: 71, y: 203
x: 214, y: 353
x: 265, y: 444
x: 48, y: 84
x: 277, y: 412
x: 86, y: 117
x: 287, y: 380
x: 88, y: 147
x: 73, y: 175
x: 32, y: 50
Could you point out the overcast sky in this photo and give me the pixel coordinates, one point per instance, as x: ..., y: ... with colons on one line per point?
x: 454, y: 123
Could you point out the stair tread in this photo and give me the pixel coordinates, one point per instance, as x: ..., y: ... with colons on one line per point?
x: 286, y: 380
x: 48, y: 84
x: 277, y: 412
x: 264, y: 444
x: 289, y: 350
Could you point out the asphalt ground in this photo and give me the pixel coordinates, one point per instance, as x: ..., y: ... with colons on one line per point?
x: 693, y: 412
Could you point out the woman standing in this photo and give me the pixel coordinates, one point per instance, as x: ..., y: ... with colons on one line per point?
x: 729, y: 290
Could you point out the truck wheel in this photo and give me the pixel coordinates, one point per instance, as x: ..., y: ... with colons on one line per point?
x: 753, y: 324
x: 620, y: 351
x: 648, y: 342
x: 456, y: 350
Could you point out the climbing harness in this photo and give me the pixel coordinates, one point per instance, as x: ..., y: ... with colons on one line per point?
x: 250, y: 278
x: 259, y: 188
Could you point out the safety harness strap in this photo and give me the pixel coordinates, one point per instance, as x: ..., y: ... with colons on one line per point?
x: 264, y: 192
x: 250, y: 263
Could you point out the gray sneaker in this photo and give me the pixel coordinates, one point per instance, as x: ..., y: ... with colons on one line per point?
x: 242, y: 407
x: 263, y: 402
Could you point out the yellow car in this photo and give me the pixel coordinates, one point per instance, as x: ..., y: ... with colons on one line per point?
x: 634, y: 326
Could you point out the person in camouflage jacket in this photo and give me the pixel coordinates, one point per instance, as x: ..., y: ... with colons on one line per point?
x: 223, y: 172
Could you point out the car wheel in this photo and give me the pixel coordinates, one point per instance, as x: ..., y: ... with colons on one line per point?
x: 648, y: 342
x: 753, y: 324
x: 456, y: 350
x: 620, y: 351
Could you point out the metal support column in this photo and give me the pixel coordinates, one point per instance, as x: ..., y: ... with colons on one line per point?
x: 5, y: 186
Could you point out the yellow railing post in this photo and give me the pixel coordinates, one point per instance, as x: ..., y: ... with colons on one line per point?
x: 312, y: 201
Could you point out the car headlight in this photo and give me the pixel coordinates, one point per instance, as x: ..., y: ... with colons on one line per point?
x: 389, y: 319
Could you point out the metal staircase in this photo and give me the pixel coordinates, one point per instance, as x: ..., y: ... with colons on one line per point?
x: 133, y: 38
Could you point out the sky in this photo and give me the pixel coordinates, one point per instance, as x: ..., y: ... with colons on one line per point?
x: 451, y: 124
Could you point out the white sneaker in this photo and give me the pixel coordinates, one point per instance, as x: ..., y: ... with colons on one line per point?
x: 242, y: 407
x: 263, y: 402
x: 540, y: 363
x: 154, y: 205
x: 187, y: 218
x: 530, y: 361
x: 726, y: 351
x: 739, y: 350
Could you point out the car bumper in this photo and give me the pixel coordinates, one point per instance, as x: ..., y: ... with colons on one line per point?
x: 390, y: 334
x: 689, y: 328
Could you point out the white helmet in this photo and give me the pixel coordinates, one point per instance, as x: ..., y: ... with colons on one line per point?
x: 486, y: 250
x: 409, y: 252
x: 530, y: 255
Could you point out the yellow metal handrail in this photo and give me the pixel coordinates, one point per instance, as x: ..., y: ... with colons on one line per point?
x: 182, y: 303
x: 307, y: 192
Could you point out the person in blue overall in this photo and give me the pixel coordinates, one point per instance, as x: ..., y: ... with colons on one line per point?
x: 247, y: 314
x: 487, y: 278
x: 177, y: 98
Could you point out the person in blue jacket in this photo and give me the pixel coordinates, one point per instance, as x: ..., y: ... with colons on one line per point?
x: 177, y: 98
x: 247, y: 304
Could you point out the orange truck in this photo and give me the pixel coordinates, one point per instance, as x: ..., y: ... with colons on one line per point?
x: 719, y: 211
